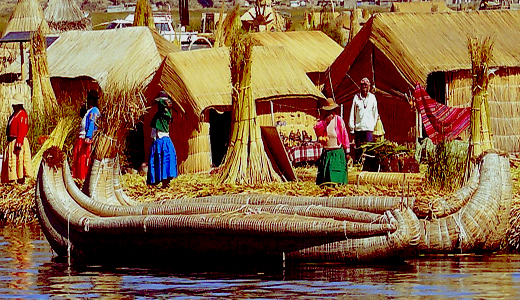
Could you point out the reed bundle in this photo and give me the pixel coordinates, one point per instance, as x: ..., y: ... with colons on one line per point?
x: 355, y: 27
x: 481, y: 53
x: 121, y: 106
x: 143, y: 15
x: 56, y: 138
x: 17, y: 203
x: 246, y: 160
x: 446, y: 166
x: 227, y: 27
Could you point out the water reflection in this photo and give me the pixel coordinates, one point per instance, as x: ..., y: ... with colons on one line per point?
x: 30, y: 270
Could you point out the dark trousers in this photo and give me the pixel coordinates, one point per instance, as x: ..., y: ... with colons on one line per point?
x: 360, y: 138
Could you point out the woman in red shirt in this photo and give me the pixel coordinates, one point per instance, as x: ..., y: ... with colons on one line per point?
x: 17, y: 155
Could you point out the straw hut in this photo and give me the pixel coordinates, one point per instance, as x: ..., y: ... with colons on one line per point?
x: 200, y: 83
x: 420, y: 6
x: 396, y: 55
x: 64, y: 15
x: 313, y: 49
x: 84, y: 60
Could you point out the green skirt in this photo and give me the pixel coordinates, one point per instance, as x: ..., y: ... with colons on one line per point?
x: 332, y: 167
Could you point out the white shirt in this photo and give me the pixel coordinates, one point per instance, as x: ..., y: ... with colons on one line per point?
x: 363, y: 114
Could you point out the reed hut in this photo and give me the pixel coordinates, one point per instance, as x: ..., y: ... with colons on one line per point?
x: 313, y: 49
x: 200, y: 83
x: 65, y: 15
x: 84, y: 60
x: 398, y: 50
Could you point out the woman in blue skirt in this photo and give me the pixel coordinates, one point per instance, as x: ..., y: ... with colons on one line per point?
x: 162, y: 166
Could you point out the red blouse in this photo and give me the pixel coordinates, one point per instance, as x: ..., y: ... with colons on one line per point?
x: 18, y: 126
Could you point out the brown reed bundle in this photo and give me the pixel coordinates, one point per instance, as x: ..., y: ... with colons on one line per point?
x: 481, y: 53
x: 143, y: 15
x: 44, y: 100
x: 121, y: 106
x: 246, y: 160
x: 355, y: 27
x: 17, y: 203
x: 227, y: 27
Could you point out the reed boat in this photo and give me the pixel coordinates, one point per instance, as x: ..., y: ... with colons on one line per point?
x: 102, y: 223
x: 105, y: 224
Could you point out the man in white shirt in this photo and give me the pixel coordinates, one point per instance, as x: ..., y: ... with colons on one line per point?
x: 363, y: 115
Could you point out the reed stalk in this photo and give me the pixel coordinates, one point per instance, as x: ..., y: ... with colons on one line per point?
x: 246, y: 161
x: 227, y: 27
x: 143, y: 14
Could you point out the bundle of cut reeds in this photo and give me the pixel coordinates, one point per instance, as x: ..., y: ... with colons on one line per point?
x: 227, y: 27
x: 354, y: 23
x: 143, y: 14
x: 246, y: 160
x: 121, y: 106
x: 481, y: 53
x: 64, y: 15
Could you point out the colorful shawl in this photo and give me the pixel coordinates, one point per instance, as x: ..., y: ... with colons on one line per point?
x: 341, y: 131
x: 440, y: 121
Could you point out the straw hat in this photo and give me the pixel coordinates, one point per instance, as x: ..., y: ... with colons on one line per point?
x: 17, y: 99
x: 330, y: 105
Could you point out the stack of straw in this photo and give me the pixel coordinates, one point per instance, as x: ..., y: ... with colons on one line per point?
x: 246, y: 160
x: 228, y: 27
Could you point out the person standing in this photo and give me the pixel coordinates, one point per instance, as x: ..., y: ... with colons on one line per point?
x: 363, y: 115
x: 16, y: 165
x: 332, y: 134
x: 81, y: 156
x: 162, y: 166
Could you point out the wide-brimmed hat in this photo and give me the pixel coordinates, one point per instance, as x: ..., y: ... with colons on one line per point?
x: 330, y: 104
x: 17, y: 99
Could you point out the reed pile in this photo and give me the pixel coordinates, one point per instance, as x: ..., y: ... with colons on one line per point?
x: 65, y: 15
x: 246, y: 160
x: 121, y: 106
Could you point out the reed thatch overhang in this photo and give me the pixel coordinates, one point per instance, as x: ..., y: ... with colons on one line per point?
x: 396, y: 50
x: 313, y: 49
x: 64, y: 15
x: 200, y: 79
x: 27, y: 16
x: 128, y: 55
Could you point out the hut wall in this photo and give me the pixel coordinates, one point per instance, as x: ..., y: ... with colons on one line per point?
x: 7, y: 91
x: 504, y: 104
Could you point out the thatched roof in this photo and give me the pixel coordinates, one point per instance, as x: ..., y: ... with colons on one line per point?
x: 313, y: 49
x: 64, y: 15
x: 200, y: 79
x: 130, y: 55
x: 27, y: 16
x: 403, y: 48
x: 420, y: 6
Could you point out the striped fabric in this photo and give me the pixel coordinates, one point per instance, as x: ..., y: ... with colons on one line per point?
x: 440, y: 121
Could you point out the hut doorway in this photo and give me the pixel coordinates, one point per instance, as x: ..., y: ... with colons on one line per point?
x: 436, y: 87
x: 219, y: 129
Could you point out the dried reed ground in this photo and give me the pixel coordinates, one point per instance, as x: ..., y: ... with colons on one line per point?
x: 17, y: 201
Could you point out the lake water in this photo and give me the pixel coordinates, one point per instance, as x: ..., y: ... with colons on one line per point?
x: 30, y: 270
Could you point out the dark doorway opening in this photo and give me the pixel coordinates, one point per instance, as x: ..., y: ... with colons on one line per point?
x: 219, y: 130
x: 436, y: 86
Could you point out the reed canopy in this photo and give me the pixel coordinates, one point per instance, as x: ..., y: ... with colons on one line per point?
x: 129, y: 56
x: 200, y: 84
x: 397, y: 50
